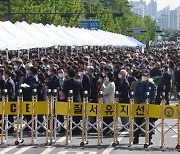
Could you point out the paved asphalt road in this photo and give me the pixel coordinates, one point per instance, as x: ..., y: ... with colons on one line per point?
x: 92, y: 148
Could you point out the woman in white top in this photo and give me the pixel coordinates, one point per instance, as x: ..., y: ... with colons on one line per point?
x: 108, y: 89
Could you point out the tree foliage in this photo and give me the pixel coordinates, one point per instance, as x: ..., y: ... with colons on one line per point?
x: 104, y: 10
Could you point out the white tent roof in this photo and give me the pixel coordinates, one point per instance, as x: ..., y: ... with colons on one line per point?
x: 21, y: 35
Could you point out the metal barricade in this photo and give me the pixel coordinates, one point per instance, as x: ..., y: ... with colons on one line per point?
x: 69, y: 119
x: 100, y: 102
x: 115, y: 126
x: 84, y: 120
x: 4, y: 100
x: 19, y: 118
x: 147, y: 121
x: 178, y: 123
x: 131, y: 120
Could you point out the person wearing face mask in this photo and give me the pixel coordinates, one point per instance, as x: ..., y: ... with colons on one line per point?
x: 18, y: 67
x: 41, y: 95
x: 108, y: 88
x: 26, y: 76
x: 141, y: 89
x: 53, y: 81
x: 61, y: 77
x: 28, y: 90
x: 85, y: 80
x: 10, y: 86
x: 75, y: 85
x: 123, y: 88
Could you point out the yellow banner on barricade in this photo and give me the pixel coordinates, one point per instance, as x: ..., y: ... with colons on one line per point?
x: 170, y: 112
x: 107, y: 110
x: 138, y: 110
x: 92, y: 109
x: 154, y: 111
x: 26, y: 108
x: 40, y: 107
x: 10, y: 108
x: 61, y: 108
x: 123, y: 110
x: 76, y: 109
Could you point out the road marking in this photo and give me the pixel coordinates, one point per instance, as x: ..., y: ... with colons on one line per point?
x: 22, y: 150
x: 62, y: 139
x: 109, y: 148
x: 48, y: 150
x: 174, y: 136
x: 77, y: 152
x: 7, y: 149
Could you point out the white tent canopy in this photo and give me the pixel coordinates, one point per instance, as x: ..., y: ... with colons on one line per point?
x: 22, y: 35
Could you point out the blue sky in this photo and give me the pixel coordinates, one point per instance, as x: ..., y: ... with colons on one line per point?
x: 163, y: 3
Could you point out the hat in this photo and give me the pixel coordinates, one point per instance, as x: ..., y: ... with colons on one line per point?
x: 17, y: 60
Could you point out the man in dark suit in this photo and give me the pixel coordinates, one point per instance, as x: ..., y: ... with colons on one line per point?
x: 75, y: 85
x: 85, y: 80
x: 53, y: 82
x: 123, y: 87
x: 10, y: 86
x: 177, y: 77
x: 1, y: 83
x: 32, y: 83
x: 18, y: 66
x: 166, y: 83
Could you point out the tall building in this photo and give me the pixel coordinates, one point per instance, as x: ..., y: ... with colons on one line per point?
x: 138, y: 7
x: 173, y: 19
x: 163, y: 18
x: 166, y: 18
x: 178, y: 18
x: 152, y: 9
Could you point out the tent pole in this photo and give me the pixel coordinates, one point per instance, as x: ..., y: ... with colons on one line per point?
x: 59, y: 48
x: 66, y: 49
x: 18, y: 54
x: 45, y: 51
x: 28, y: 53
x: 38, y: 53
x: 7, y: 55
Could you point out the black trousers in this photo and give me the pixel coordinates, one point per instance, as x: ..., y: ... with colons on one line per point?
x: 76, y: 131
x: 139, y: 122
x: 107, y: 120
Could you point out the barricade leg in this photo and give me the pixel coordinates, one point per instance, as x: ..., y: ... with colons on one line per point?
x: 32, y: 116
x: 69, y: 119
x: 85, y: 100
x: 51, y: 119
x: 6, y: 127
x: 54, y: 113
x: 3, y: 117
x: 47, y: 119
x: 178, y: 124
x: 147, y: 122
x: 162, y: 122
x: 100, y: 122
x: 17, y: 121
x: 115, y: 141
x: 131, y: 123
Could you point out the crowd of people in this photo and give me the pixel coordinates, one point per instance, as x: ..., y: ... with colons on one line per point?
x: 93, y: 70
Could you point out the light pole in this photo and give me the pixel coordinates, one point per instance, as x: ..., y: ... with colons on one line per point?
x: 54, y: 6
